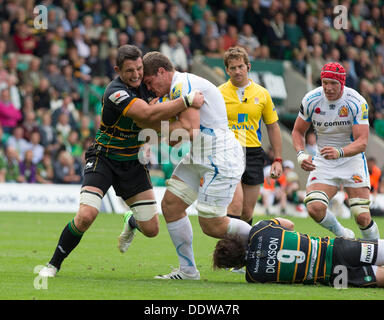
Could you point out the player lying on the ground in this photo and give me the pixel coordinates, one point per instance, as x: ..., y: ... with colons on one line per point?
x: 277, y: 253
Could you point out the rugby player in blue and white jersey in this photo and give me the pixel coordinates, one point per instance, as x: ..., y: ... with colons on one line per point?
x: 208, y: 174
x: 339, y: 116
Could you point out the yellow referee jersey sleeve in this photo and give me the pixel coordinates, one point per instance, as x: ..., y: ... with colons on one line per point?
x: 244, y: 116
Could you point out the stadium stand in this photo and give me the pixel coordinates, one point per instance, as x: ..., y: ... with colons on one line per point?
x: 52, y: 79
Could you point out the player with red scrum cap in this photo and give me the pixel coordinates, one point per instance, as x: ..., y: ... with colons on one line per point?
x: 339, y: 116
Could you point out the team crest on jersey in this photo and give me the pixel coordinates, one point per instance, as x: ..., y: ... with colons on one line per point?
x: 357, y: 178
x: 118, y: 96
x: 343, y: 111
x: 176, y: 91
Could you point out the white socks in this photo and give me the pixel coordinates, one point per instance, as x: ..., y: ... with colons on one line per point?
x: 181, y: 234
x: 332, y: 224
x: 371, y: 232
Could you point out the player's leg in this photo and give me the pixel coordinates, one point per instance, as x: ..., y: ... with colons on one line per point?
x: 143, y: 216
x: 235, y: 208
x: 358, y: 199
x: 316, y: 202
x: 178, y: 197
x: 251, y: 194
x: 90, y: 202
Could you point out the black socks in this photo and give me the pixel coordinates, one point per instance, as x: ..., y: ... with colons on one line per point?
x: 69, y: 239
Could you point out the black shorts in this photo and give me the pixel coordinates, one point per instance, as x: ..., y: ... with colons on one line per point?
x: 254, y: 166
x: 348, y: 253
x: 128, y: 178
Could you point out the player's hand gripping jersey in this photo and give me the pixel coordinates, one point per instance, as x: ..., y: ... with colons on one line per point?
x: 332, y: 122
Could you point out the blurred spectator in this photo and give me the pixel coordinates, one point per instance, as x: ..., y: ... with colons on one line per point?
x: 36, y: 147
x: 48, y: 134
x: 66, y: 170
x: 162, y: 31
x: 198, y: 9
x: 316, y: 61
x: 139, y: 41
x: 24, y: 39
x: 33, y: 74
x: 41, y: 96
x: 17, y: 141
x: 212, y: 48
x: 73, y: 145
x: 5, y: 29
x: 374, y: 175
x: 67, y: 107
x: 146, y: 11
x: 53, y: 56
x: 11, y: 165
x: 249, y: 41
x: 9, y: 115
x: 44, y: 170
x: 29, y: 124
x: 276, y: 37
x: 197, y: 38
x: 175, y: 52
x: 27, y: 168
x: 292, y: 30
x: 126, y: 8
x: 230, y: 38
x: 377, y: 97
x: 253, y: 17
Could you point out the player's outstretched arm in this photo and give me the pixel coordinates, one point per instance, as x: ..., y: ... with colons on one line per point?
x: 143, y: 112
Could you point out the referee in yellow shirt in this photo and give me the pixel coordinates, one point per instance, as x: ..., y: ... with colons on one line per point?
x: 247, y: 104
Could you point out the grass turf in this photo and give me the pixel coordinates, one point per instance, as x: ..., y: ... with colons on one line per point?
x: 96, y: 270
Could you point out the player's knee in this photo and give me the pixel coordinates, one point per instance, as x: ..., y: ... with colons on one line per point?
x: 316, y: 203
x: 363, y: 219
x: 85, y: 217
x: 360, y: 210
x: 145, y: 214
x: 149, y: 231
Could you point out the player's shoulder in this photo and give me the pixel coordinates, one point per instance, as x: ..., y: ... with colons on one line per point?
x: 264, y: 224
x: 314, y: 94
x: 353, y: 96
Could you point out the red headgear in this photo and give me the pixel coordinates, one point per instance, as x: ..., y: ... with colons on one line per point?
x: 335, y: 71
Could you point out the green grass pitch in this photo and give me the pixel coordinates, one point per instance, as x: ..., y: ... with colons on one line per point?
x: 96, y: 270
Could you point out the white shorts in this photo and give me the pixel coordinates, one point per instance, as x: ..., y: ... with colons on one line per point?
x: 213, y: 169
x: 350, y: 172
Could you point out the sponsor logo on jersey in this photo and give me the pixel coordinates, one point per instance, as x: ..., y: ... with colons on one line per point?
x: 118, y: 96
x: 256, y: 100
x: 242, y: 117
x: 332, y: 107
x: 176, y: 91
x: 343, y: 111
x: 367, y: 251
x: 364, y: 111
x: 318, y: 111
x: 201, y: 181
x: 357, y: 178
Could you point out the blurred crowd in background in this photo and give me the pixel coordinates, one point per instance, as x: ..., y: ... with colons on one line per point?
x: 52, y: 79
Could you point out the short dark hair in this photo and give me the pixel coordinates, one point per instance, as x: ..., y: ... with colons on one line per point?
x: 127, y: 52
x: 154, y: 60
x: 229, y: 253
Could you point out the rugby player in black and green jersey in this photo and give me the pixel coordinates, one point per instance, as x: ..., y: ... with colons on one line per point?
x: 112, y: 160
x: 275, y: 253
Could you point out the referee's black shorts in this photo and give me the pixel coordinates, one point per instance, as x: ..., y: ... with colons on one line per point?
x: 254, y: 166
x: 357, y: 256
x: 128, y: 178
